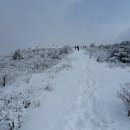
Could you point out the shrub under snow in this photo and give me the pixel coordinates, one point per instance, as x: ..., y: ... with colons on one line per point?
x: 22, y: 62
x: 118, y: 54
x: 12, y: 109
x: 124, y: 95
x: 13, y: 105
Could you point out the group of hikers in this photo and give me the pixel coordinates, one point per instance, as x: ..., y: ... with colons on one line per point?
x: 80, y: 47
x: 77, y: 48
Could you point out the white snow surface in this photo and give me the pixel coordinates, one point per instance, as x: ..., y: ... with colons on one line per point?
x: 84, y: 97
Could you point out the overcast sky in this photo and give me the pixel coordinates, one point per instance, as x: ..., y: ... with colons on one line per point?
x: 27, y: 23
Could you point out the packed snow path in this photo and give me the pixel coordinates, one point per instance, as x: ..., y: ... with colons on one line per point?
x: 76, y: 103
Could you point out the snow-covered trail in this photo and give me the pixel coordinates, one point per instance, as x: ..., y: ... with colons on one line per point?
x: 88, y: 113
x: 74, y: 102
x: 77, y: 101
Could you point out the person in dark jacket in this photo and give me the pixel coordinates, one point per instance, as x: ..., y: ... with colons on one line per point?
x: 78, y: 48
x: 75, y: 47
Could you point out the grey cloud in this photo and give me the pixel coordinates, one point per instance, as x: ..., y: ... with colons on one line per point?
x: 29, y: 23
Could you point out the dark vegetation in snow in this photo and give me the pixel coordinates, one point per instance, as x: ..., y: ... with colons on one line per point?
x: 117, y: 54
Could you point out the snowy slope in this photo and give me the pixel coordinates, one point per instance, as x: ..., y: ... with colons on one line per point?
x: 84, y: 97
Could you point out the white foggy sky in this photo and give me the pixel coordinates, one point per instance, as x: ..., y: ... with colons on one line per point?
x: 27, y: 23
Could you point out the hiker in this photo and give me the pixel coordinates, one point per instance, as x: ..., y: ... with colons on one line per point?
x: 78, y: 48
x: 75, y: 47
